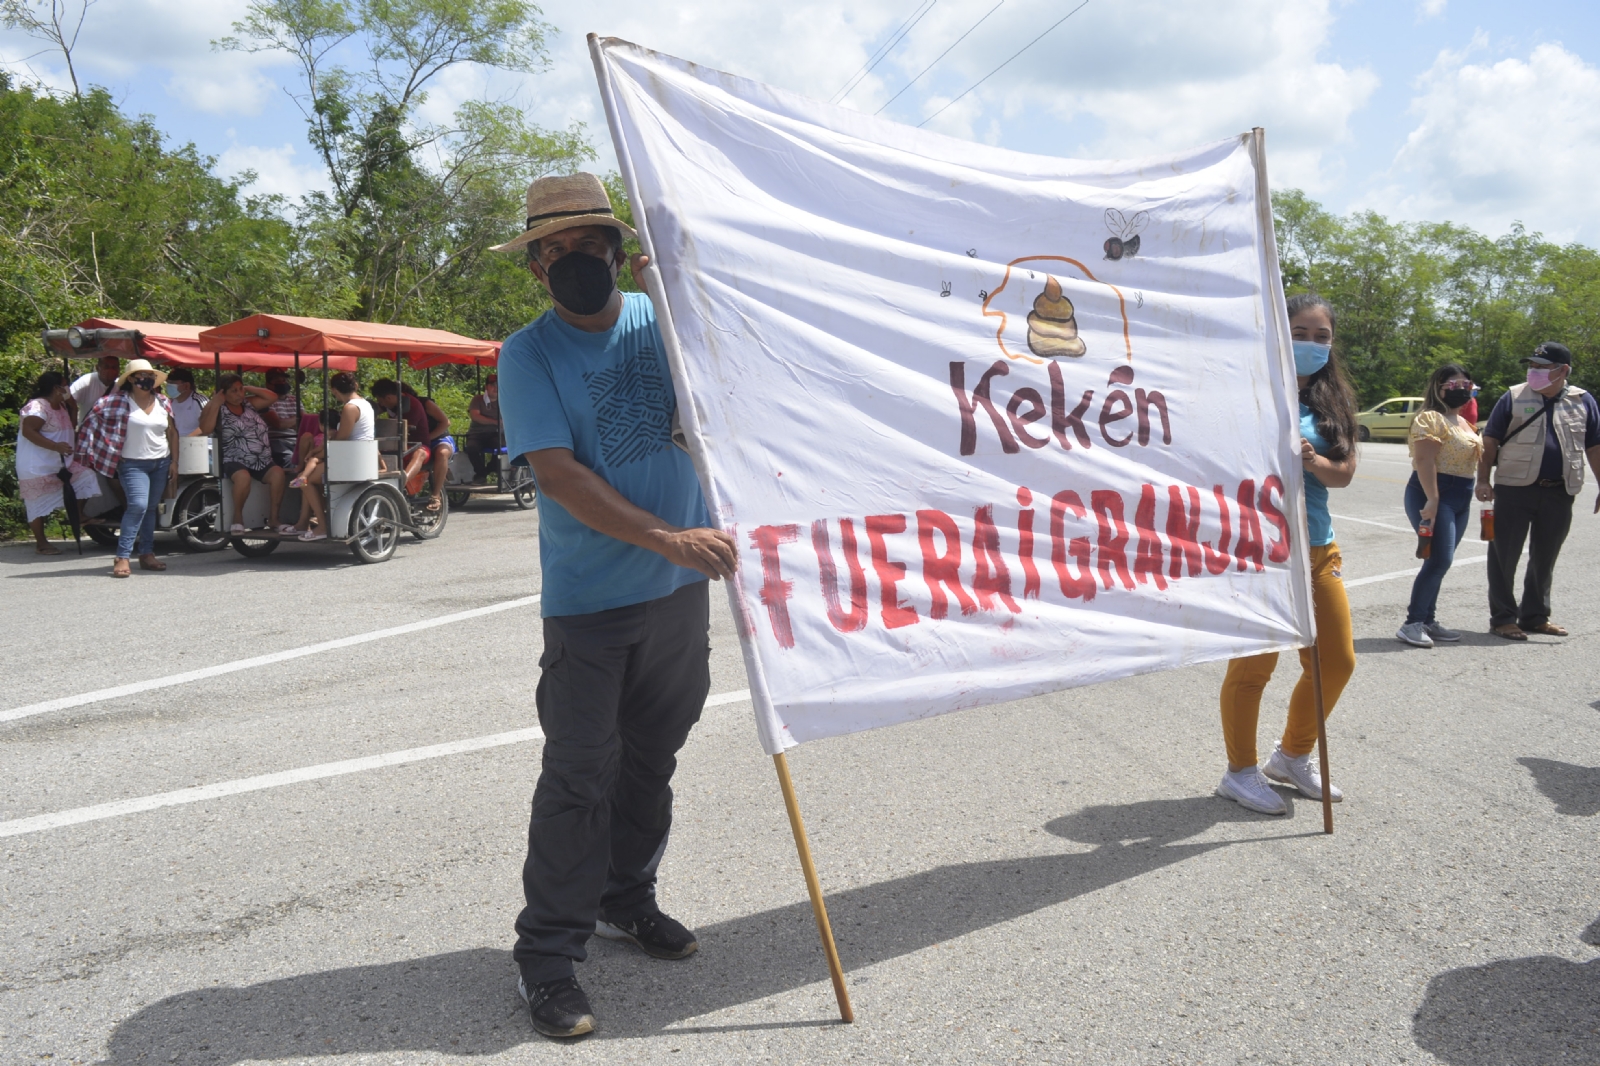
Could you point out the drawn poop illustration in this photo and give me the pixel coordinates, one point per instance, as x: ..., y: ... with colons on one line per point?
x: 1052, y: 323
x: 1052, y: 327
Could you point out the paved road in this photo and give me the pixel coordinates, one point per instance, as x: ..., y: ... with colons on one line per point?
x: 1046, y: 881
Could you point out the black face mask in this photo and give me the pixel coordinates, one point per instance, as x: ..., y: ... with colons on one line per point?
x: 581, y: 283
x: 147, y: 384
x: 1457, y: 397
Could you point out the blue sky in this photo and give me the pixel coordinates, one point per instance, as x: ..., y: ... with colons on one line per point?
x: 1473, y: 112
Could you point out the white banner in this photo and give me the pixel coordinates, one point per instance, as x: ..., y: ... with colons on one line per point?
x: 985, y: 425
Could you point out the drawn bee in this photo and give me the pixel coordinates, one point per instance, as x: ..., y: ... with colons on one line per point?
x: 1124, y: 239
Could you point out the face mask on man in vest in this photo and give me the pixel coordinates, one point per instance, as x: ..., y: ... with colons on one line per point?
x: 1543, y: 377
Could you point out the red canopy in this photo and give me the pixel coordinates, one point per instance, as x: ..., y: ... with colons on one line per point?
x: 177, y: 345
x: 313, y: 336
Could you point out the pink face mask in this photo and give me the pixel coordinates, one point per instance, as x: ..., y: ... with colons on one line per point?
x: 1538, y: 378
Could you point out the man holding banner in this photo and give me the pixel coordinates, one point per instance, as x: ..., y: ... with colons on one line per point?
x: 624, y: 554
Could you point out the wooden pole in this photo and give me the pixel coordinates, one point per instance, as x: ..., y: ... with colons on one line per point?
x: 818, y: 907
x: 1322, y: 740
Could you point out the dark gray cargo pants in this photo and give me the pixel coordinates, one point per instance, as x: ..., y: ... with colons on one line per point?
x: 618, y: 692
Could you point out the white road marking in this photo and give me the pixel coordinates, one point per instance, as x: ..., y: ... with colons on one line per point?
x: 79, y: 815
x: 1413, y: 572
x: 1370, y: 522
x: 187, y: 676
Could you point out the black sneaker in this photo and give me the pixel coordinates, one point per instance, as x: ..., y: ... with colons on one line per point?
x: 557, y: 1008
x: 655, y: 934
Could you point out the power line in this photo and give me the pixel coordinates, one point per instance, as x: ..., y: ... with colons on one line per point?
x: 942, y: 54
x: 881, y: 54
x: 1002, y: 66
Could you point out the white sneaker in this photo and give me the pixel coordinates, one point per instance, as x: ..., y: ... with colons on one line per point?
x: 1439, y: 632
x: 1250, y: 790
x: 1299, y: 773
x: 1415, y: 634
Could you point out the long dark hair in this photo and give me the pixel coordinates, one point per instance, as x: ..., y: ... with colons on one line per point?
x: 48, y: 382
x: 1328, y: 393
x: 1433, y: 398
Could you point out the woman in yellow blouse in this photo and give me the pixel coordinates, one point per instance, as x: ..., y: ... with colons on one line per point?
x: 1444, y: 459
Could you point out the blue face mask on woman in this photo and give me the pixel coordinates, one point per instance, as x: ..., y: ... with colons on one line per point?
x: 1310, y: 357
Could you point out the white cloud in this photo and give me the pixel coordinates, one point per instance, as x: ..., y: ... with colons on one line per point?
x: 1515, y: 140
x: 1430, y: 9
x: 275, y: 169
x: 1117, y: 79
x: 123, y: 40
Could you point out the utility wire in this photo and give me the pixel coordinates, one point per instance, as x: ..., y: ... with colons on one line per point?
x: 1002, y: 66
x: 942, y: 54
x: 881, y: 54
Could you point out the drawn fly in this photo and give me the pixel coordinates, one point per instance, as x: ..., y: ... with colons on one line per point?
x: 1124, y: 239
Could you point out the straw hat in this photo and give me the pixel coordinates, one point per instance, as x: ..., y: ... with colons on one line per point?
x: 142, y: 366
x: 565, y: 202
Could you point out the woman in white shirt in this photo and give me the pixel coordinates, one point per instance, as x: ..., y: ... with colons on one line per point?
x: 355, y: 423
x: 146, y: 469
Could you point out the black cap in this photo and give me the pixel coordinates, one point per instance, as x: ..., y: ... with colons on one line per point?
x: 1551, y: 352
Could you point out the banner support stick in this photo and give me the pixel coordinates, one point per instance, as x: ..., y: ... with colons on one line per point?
x: 1322, y: 739
x: 819, y: 908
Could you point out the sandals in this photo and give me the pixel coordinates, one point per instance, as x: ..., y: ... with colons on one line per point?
x: 119, y: 568
x: 1509, y: 631
x: 288, y: 528
x: 311, y: 534
x: 434, y: 504
x: 47, y: 549
x: 1549, y: 629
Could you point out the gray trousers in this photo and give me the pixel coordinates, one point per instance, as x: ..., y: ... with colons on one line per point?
x: 618, y: 692
x: 1540, y: 515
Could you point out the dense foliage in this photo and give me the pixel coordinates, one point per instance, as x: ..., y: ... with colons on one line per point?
x: 1411, y: 296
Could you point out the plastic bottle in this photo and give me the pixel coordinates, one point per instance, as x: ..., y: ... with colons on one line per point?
x: 1486, y: 524
x: 1425, y: 538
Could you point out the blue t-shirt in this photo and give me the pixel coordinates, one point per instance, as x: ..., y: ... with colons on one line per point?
x: 609, y: 398
x: 1319, y: 524
x: 1551, y: 468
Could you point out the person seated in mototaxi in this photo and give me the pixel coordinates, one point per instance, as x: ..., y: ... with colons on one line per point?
x: 186, y: 402
x: 246, y: 446
x: 310, y: 452
x: 440, y: 441
x: 483, y: 436
x: 311, y: 448
x: 356, y: 422
x: 387, y: 397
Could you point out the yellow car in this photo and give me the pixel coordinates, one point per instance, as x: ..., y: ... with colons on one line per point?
x: 1389, y: 420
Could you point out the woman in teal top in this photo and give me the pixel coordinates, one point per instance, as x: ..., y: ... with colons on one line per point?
x: 1328, y: 455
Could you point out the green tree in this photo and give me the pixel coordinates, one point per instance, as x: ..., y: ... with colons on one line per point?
x: 414, y: 204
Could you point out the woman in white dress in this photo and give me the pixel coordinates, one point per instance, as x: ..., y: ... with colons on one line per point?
x: 44, y: 448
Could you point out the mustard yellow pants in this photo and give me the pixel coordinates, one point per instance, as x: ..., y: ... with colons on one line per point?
x: 1242, y: 688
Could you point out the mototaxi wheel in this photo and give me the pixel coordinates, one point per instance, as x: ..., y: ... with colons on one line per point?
x: 374, y: 525
x: 253, y: 549
x: 198, y: 516
x: 105, y: 536
x: 525, y: 493
x: 458, y: 497
x: 428, y: 524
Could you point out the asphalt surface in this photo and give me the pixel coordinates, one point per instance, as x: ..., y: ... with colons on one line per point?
x: 1045, y: 881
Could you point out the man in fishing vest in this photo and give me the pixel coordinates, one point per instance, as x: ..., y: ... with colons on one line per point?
x: 1536, y: 439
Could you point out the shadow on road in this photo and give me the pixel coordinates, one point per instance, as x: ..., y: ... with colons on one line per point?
x: 1469, y: 639
x: 464, y: 1002
x: 1573, y: 789
x: 1533, y: 1011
